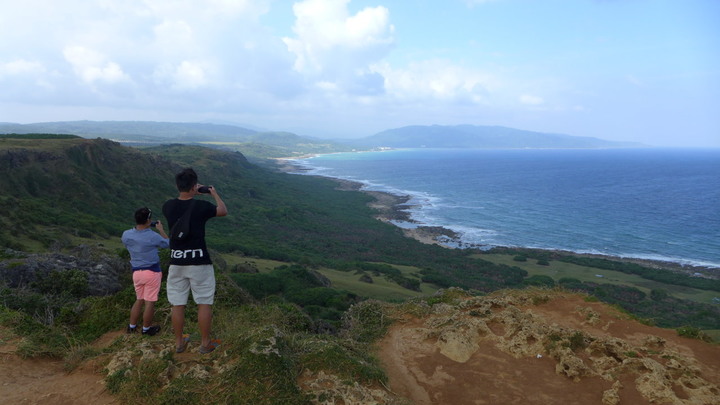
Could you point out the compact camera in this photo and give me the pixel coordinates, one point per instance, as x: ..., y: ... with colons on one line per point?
x: 204, y: 190
x: 153, y: 223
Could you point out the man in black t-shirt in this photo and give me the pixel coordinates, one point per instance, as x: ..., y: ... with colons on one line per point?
x: 190, y: 266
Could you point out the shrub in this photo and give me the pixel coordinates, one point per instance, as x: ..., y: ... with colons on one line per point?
x: 659, y: 295
x: 366, y: 321
x: 693, y: 333
x: 576, y: 341
x: 539, y: 281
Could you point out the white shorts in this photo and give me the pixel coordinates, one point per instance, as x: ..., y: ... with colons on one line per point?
x: 199, y: 279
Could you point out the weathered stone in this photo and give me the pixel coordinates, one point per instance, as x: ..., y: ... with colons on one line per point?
x: 103, y: 271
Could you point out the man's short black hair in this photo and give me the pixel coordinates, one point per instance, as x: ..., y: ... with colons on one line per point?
x: 142, y: 215
x: 186, y: 179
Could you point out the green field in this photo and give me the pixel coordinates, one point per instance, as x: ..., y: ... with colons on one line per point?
x: 558, y: 270
x: 380, y: 288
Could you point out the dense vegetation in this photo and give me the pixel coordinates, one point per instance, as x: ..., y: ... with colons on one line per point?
x: 252, y: 143
x: 90, y: 188
x: 659, y: 308
x: 664, y: 276
x: 276, y: 324
x: 65, y: 190
x: 37, y: 136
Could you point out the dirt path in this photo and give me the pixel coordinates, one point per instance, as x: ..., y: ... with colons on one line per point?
x: 45, y: 382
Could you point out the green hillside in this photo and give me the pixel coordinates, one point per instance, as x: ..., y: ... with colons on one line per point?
x: 304, y: 275
x: 62, y: 192
x: 252, y: 143
x: 89, y: 188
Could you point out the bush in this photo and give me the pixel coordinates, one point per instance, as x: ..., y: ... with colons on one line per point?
x: 259, y: 285
x: 659, y: 295
x: 693, y: 333
x: 73, y: 283
x: 539, y: 281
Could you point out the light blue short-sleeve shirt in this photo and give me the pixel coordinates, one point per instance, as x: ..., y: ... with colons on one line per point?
x: 143, y: 246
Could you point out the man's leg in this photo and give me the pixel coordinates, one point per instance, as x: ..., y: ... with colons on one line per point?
x: 149, y: 313
x: 178, y: 323
x: 178, y: 288
x: 139, y: 299
x: 151, y: 291
x: 135, y: 311
x: 205, y: 323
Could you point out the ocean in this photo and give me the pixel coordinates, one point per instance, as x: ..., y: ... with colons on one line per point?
x: 657, y: 204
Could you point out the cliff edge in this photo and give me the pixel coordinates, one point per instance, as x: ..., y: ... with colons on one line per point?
x: 544, y: 347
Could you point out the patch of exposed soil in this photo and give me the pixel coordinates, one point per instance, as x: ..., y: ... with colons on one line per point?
x: 45, y: 381
x: 546, y: 348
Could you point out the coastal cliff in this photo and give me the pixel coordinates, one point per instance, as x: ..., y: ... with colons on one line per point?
x: 533, y: 346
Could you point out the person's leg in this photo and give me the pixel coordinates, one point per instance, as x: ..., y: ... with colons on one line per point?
x: 148, y: 314
x: 205, y: 323
x: 178, y: 289
x: 178, y: 323
x: 151, y: 291
x: 202, y: 285
x: 135, y: 311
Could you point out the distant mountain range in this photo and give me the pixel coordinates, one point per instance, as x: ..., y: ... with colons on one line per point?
x: 281, y: 143
x: 484, y: 137
x: 252, y: 143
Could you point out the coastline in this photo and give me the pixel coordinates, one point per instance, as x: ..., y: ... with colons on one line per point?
x: 394, y: 209
x: 391, y: 208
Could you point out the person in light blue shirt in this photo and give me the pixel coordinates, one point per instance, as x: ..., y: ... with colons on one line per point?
x: 143, y: 244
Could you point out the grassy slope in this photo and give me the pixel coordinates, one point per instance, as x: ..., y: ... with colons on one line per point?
x: 78, y: 189
x: 558, y: 270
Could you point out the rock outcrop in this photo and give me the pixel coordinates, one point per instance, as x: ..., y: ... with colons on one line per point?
x: 103, y: 271
x: 543, y: 347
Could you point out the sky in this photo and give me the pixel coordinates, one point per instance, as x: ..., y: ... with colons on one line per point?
x: 627, y: 70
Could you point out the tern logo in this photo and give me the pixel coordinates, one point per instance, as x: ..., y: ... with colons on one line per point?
x: 186, y: 254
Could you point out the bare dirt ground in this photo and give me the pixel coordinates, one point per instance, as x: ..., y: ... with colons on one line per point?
x: 421, y: 367
x: 45, y: 381
x: 487, y: 351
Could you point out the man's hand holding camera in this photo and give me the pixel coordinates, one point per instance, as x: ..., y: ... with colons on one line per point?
x: 221, y: 209
x: 159, y: 226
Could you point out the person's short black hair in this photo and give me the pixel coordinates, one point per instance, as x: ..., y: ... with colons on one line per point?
x: 142, y: 215
x: 186, y: 179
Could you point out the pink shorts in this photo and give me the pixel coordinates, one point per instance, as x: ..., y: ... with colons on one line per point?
x: 147, y: 284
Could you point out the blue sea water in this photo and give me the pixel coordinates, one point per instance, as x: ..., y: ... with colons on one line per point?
x: 660, y: 204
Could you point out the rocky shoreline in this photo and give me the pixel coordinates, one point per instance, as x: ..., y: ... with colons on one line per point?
x: 394, y: 209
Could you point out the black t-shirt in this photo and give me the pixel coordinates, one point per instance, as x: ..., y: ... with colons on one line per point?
x: 193, y: 250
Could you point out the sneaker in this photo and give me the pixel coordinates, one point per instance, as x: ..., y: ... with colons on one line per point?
x: 209, y: 348
x: 151, y: 331
x: 131, y: 330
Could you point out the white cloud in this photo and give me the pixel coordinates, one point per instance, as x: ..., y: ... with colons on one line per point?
x: 186, y: 76
x: 531, y: 100
x: 147, y: 51
x: 20, y: 67
x: 92, y: 66
x: 333, y: 46
x: 173, y: 34
x: 438, y: 80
